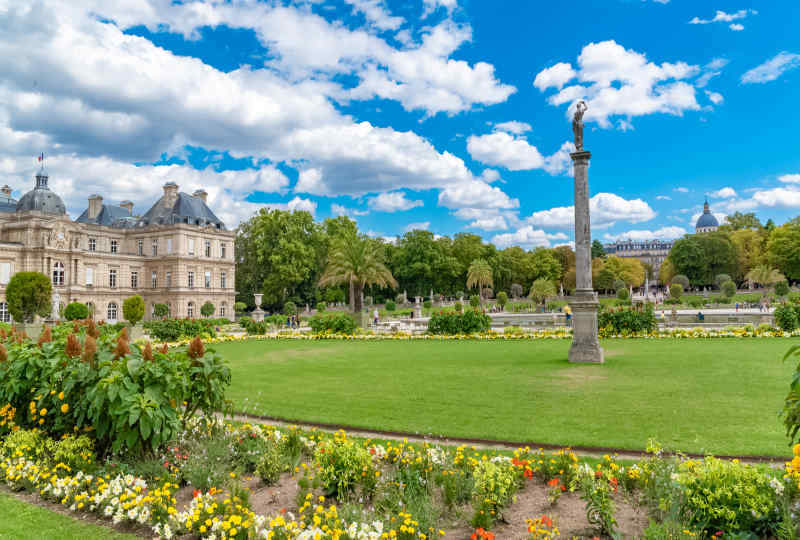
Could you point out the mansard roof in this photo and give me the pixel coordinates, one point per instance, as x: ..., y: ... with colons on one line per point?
x: 184, y: 208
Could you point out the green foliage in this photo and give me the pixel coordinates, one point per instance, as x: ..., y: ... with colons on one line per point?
x: 619, y: 284
x: 337, y: 323
x: 390, y: 305
x: 341, y: 463
x: 728, y: 289
x: 626, y: 321
x: 541, y: 290
x: 28, y: 294
x: 622, y: 294
x: 495, y: 483
x: 209, y: 463
x: 695, y: 302
x: 782, y: 288
x: 701, y: 257
x: 596, y: 492
x: 30, y: 443
x: 723, y: 495
x: 459, y: 307
x: 290, y: 308
x: 427, y: 304
x: 76, y: 452
x: 597, y: 249
x: 239, y: 307
x: 270, y: 464
x: 791, y: 405
x: 719, y: 279
x: 321, y: 307
x: 76, y: 311
x: 502, y: 299
x: 474, y: 300
x: 681, y: 280
x: 207, y: 309
x: 469, y: 322
x: 675, y: 291
x: 161, y: 310
x: 782, y: 249
x: 133, y: 309
x: 178, y: 329
x: 786, y: 317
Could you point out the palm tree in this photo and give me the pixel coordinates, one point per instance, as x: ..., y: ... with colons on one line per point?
x: 764, y: 276
x: 356, y: 260
x: 480, y: 275
x: 541, y: 290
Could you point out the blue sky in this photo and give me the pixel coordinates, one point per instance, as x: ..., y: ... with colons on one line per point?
x: 440, y: 114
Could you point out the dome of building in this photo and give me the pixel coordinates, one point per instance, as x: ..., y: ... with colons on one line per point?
x: 41, y: 199
x: 706, y: 222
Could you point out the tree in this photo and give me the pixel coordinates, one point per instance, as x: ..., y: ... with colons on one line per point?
x: 619, y: 285
x: 162, y: 310
x: 541, y: 290
x: 720, y: 279
x: 764, y: 275
x: 474, y: 300
x: 749, y: 245
x: 700, y: 257
x: 544, y: 265
x: 622, y: 294
x: 207, y: 309
x: 782, y: 288
x: 570, y: 278
x: 666, y: 272
x: 76, y: 311
x: 502, y: 299
x: 783, y: 249
x: 479, y: 275
x: 357, y: 260
x: 682, y: 280
x: 597, y: 249
x: 676, y: 291
x: 739, y: 221
x: 728, y: 289
x: 290, y: 308
x: 133, y: 309
x: 566, y: 257
x: 604, y: 280
x: 29, y: 294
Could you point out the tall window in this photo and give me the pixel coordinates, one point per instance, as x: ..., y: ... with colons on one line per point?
x: 191, y: 279
x: 89, y: 275
x: 155, y: 247
x: 169, y: 279
x: 112, y: 311
x: 169, y: 245
x: 190, y: 310
x: 191, y: 246
x: 208, y: 280
x: 140, y: 247
x: 5, y: 272
x: 92, y: 244
x: 114, y: 246
x: 208, y: 248
x: 222, y: 309
x: 222, y: 249
x: 134, y: 279
x: 222, y: 279
x: 58, y: 273
x: 154, y: 279
x: 112, y: 278
x: 4, y: 315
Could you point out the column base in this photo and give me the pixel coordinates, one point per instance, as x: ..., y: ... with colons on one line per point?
x: 585, y: 347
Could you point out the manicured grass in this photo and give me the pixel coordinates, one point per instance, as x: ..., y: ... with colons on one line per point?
x: 718, y: 395
x: 22, y: 521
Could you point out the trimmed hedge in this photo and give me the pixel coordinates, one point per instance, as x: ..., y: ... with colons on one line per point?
x: 176, y: 329
x: 470, y: 322
x: 337, y: 323
x: 626, y: 321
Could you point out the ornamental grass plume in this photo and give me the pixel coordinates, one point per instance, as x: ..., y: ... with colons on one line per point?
x: 3, y: 334
x: 89, y: 350
x: 92, y: 330
x: 122, y: 348
x: 123, y: 334
x: 46, y: 336
x: 3, y: 354
x: 147, y: 352
x: 75, y: 327
x: 73, y: 347
x: 164, y: 349
x: 196, y: 348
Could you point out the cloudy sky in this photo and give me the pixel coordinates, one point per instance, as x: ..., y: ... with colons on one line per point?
x: 449, y: 115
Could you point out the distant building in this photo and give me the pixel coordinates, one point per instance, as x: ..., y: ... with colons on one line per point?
x: 652, y: 252
x: 178, y: 253
x: 706, y: 222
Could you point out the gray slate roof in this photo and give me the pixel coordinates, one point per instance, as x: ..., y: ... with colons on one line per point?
x: 42, y: 199
x: 186, y: 209
x: 109, y: 216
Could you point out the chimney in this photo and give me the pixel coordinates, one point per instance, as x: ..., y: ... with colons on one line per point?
x: 127, y: 205
x: 201, y: 194
x: 170, y: 193
x: 95, y: 205
x: 6, y: 191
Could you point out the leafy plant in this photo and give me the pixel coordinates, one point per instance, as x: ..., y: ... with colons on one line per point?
x: 474, y: 300
x: 681, y: 280
x: 596, y: 492
x: 390, y: 306
x: 133, y: 309
x: 495, y: 483
x: 502, y: 299
x: 160, y: 310
x: 791, y: 406
x: 626, y: 321
x: 76, y: 311
x: 207, y: 309
x: 622, y: 293
x: 427, y: 304
x: 343, y: 466
x: 239, y: 307
x: 176, y: 329
x: 28, y: 294
x: 290, y: 308
x: 782, y: 288
x: 728, y: 289
x: 270, y: 464
x: 675, y: 291
x: 786, y: 317
x: 337, y: 323
x: 469, y: 322
x: 321, y: 307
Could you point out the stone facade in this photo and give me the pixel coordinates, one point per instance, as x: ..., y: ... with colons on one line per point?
x: 652, y: 252
x: 181, y: 256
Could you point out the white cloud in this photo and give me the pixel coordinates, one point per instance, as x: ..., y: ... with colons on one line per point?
x: 430, y: 6
x: 772, y: 68
x: 711, y: 70
x: 715, y: 97
x: 781, y: 197
x: 490, y: 175
x: 526, y: 237
x: 605, y: 210
x: 490, y: 223
x: 723, y: 17
x: 341, y: 210
x: 615, y: 81
x: 724, y: 193
x: 517, y: 128
x: 516, y: 154
x: 295, y: 204
x: 664, y: 233
x: 420, y: 226
x: 376, y: 12
x: 394, y: 201
x: 476, y: 194
x: 682, y: 189
x: 790, y: 178
x: 663, y: 198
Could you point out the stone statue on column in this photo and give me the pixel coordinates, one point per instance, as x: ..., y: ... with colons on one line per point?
x: 577, y: 125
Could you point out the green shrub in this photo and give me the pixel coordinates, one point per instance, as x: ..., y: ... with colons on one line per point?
x: 449, y: 323
x: 681, y: 280
x: 254, y: 327
x: 782, y: 288
x: 495, y: 483
x: 427, y: 304
x: 29, y: 294
x: 619, y: 285
x: 31, y: 443
x: 675, y: 291
x: 207, y: 309
x: 513, y: 331
x: 321, y: 307
x: 160, y: 310
x: 290, y: 308
x: 76, y: 311
x: 502, y: 299
x: 337, y: 323
x: 177, y: 329
x: 459, y: 307
x: 133, y: 309
x: 390, y: 306
x: 791, y: 405
x: 474, y: 300
x: 75, y: 452
x: 270, y: 464
x: 672, y: 301
x: 626, y: 321
x: 344, y: 466
x: 209, y: 463
x: 239, y: 307
x: 786, y: 317
x: 723, y: 495
x: 728, y: 289
x: 695, y: 302
x: 622, y: 294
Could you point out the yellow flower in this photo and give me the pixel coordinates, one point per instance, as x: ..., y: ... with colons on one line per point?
x: 43, y: 412
x: 61, y: 395
x: 65, y: 408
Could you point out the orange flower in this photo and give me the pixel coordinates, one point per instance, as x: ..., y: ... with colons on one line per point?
x: 89, y: 349
x: 73, y: 347
x: 46, y: 336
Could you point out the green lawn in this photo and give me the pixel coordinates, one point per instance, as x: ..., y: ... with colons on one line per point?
x: 22, y: 521
x: 718, y: 395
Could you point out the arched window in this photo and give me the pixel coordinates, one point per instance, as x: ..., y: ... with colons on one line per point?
x: 222, y: 309
x: 112, y: 311
x: 4, y: 315
x: 190, y: 310
x: 58, y: 273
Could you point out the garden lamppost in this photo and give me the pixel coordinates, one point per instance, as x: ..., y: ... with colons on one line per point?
x: 585, y: 343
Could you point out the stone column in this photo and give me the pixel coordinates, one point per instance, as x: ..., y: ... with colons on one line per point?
x: 585, y: 344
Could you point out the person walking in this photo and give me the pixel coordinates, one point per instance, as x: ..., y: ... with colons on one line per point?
x: 568, y: 312
x: 375, y: 316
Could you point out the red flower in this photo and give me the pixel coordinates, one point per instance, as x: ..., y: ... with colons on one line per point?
x: 528, y: 474
x: 553, y: 483
x: 195, y: 493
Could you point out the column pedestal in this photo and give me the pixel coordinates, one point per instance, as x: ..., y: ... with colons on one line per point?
x: 585, y: 347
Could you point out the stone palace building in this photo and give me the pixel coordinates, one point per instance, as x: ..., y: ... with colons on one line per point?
x: 177, y: 253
